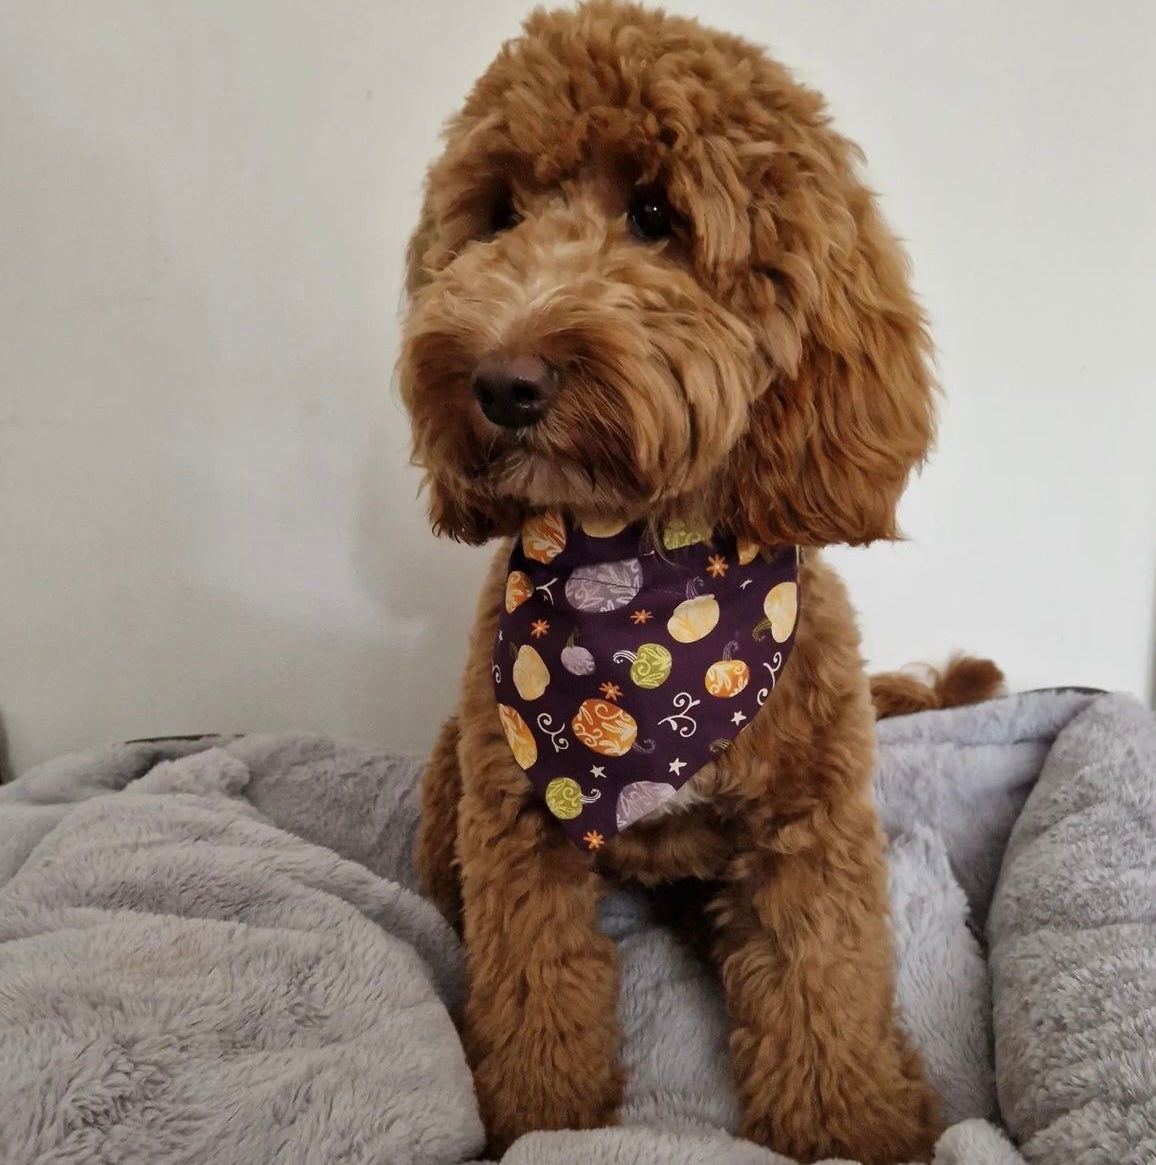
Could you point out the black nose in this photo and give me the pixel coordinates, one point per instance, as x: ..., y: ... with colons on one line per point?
x: 514, y: 391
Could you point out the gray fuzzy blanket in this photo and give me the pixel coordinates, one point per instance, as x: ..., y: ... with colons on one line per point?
x: 215, y: 951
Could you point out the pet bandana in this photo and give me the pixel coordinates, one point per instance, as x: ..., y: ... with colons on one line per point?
x: 622, y: 668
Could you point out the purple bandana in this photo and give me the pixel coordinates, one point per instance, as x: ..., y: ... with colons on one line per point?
x: 621, y: 669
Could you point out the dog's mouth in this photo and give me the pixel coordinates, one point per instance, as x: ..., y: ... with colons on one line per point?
x: 564, y: 462
x: 524, y: 466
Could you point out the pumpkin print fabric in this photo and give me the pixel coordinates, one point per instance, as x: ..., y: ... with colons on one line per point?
x: 623, y: 667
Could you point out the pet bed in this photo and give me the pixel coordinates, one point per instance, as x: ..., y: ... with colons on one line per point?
x: 214, y: 950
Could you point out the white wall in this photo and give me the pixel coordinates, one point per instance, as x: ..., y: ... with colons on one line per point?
x: 206, y: 519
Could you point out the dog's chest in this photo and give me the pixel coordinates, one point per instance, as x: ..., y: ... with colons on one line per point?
x: 684, y: 837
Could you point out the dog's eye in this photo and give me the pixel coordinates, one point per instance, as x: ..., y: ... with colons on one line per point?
x: 504, y: 216
x: 649, y: 215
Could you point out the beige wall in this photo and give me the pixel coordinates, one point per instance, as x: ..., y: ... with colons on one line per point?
x: 206, y: 519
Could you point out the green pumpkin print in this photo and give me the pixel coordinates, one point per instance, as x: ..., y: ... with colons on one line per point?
x: 650, y: 665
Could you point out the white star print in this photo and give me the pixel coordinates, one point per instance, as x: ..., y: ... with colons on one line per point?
x: 676, y: 766
x: 737, y: 718
x: 598, y: 771
x: 745, y: 583
x: 500, y: 634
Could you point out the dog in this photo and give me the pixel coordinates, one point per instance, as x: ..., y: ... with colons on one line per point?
x: 660, y: 344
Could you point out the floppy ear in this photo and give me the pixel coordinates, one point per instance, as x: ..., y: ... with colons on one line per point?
x: 849, y: 410
x: 416, y: 272
x: 455, y: 510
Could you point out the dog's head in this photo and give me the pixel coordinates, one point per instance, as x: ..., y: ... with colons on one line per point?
x: 648, y: 283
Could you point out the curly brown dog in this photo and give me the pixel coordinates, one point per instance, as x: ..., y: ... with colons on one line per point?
x: 649, y: 291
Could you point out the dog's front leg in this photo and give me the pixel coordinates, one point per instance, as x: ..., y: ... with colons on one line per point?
x: 819, y: 1064
x: 540, y: 1024
x: 435, y: 856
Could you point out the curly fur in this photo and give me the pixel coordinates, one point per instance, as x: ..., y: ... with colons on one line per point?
x: 765, y: 370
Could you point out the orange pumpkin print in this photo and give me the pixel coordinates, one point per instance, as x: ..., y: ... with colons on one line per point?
x: 728, y: 676
x: 518, y: 589
x: 544, y: 537
x: 605, y: 728
x: 518, y: 736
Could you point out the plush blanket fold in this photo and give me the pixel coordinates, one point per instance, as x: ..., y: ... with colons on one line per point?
x: 215, y: 950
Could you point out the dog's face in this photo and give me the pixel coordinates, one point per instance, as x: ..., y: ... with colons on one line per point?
x: 648, y: 283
